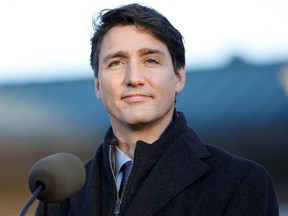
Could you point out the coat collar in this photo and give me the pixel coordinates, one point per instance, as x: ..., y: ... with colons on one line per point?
x: 178, y: 168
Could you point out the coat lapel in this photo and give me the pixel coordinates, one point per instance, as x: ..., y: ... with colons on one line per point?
x: 179, y: 167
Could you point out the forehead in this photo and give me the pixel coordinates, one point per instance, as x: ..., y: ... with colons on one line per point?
x: 129, y: 39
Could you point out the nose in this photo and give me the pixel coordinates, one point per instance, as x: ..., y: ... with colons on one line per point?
x: 134, y: 75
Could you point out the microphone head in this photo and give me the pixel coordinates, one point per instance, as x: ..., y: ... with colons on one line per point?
x: 61, y: 174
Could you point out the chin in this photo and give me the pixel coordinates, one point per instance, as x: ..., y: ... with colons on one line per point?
x: 138, y: 121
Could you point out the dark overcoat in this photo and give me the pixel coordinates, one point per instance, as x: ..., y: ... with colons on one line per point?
x: 178, y: 175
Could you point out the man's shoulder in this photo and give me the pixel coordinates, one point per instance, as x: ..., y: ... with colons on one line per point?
x: 218, y: 158
x: 230, y: 164
x: 96, y: 157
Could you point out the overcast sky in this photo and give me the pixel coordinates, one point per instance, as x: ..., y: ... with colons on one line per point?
x: 50, y: 39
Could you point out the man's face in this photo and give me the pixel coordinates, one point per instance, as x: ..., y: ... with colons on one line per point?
x: 136, y: 81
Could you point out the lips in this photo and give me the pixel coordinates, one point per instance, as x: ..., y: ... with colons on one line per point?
x: 136, y: 97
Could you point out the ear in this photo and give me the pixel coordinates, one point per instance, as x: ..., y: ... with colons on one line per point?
x: 180, y: 79
x: 98, y: 89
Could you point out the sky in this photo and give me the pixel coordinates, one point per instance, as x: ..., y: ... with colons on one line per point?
x: 44, y: 40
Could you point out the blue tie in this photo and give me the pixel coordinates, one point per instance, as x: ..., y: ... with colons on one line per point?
x: 125, y: 169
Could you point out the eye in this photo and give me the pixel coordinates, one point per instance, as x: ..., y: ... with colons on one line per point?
x: 151, y: 61
x: 114, y: 64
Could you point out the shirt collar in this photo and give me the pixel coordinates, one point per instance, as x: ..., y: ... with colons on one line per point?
x: 120, y: 159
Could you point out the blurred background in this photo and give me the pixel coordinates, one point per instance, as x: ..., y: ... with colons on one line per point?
x: 236, y: 94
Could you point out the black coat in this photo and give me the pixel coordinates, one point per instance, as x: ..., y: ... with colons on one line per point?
x: 177, y: 175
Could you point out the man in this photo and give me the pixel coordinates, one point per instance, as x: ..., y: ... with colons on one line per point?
x: 139, y: 62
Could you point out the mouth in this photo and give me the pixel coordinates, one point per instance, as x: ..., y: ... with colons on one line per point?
x: 136, y: 97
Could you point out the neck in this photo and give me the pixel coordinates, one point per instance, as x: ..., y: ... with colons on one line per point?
x: 128, y: 135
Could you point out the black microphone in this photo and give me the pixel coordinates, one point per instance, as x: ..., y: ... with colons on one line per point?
x: 55, y: 178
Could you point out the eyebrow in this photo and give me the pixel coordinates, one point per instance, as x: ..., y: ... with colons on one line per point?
x: 119, y: 54
x: 142, y: 52
x: 146, y: 51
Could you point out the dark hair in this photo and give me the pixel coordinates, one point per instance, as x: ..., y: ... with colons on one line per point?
x: 144, y: 18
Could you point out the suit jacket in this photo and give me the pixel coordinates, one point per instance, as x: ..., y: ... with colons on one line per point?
x: 176, y: 175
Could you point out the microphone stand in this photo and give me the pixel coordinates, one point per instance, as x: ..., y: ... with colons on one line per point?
x: 36, y: 192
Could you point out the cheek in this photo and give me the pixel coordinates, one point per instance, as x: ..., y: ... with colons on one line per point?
x: 167, y: 84
x: 109, y: 93
x: 105, y: 92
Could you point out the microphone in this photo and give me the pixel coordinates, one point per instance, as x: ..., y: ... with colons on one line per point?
x: 55, y: 178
